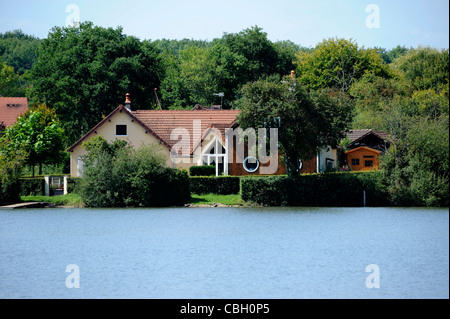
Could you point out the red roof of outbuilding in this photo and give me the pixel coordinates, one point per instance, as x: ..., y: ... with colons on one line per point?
x: 11, y: 108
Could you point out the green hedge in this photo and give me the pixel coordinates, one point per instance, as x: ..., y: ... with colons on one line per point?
x: 222, y: 185
x: 205, y: 170
x: 10, y: 191
x: 319, y: 190
x: 32, y: 186
x: 72, y: 184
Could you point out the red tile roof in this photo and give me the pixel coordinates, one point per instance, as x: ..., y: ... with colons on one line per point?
x: 161, y: 123
x: 196, y: 122
x: 11, y: 108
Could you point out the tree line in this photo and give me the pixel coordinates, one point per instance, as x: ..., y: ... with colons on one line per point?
x: 83, y: 73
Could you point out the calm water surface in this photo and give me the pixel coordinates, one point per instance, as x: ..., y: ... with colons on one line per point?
x: 225, y: 252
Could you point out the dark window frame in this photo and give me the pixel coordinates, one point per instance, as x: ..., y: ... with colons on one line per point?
x: 121, y: 130
x: 368, y: 163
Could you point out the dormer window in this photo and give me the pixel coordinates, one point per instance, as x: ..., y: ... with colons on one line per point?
x: 121, y: 130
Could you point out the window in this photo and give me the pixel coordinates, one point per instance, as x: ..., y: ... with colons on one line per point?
x: 369, y: 156
x: 251, y: 164
x: 369, y: 163
x: 80, y: 166
x: 329, y: 163
x: 121, y: 130
x: 355, y: 161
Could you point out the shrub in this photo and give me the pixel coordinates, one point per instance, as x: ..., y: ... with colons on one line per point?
x: 330, y: 190
x: 72, y: 184
x: 205, y: 170
x: 129, y: 178
x: 266, y: 191
x: 11, y: 163
x: 32, y: 186
x: 222, y: 185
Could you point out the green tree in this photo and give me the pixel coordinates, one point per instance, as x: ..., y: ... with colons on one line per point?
x: 85, y: 72
x: 190, y: 79
x: 116, y: 175
x: 248, y: 56
x: 391, y: 55
x: 39, y: 134
x: 425, y: 68
x: 11, y: 164
x: 19, y: 50
x: 309, y: 120
x: 11, y: 83
x: 338, y: 63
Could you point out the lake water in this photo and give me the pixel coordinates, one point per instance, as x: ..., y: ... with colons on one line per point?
x: 254, y: 253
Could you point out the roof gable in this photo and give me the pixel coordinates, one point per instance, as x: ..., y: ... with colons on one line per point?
x: 364, y: 148
x: 119, y: 109
x: 161, y: 124
x: 11, y: 108
x: 196, y: 122
x: 368, y: 137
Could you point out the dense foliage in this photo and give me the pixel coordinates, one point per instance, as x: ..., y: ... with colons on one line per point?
x: 83, y: 74
x: 39, y: 135
x: 203, y: 170
x: 222, y: 185
x: 306, y: 120
x: 11, y: 163
x: 116, y: 175
x: 319, y: 190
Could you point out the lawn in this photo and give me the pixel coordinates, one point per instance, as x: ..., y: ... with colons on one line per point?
x: 210, y: 199
x: 75, y: 200
x: 60, y: 200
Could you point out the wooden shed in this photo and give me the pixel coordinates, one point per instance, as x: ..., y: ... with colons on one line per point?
x: 363, y: 159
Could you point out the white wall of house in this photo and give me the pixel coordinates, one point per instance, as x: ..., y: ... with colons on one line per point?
x: 326, y: 158
x: 136, y: 136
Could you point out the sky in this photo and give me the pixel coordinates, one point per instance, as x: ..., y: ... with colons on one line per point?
x: 371, y: 23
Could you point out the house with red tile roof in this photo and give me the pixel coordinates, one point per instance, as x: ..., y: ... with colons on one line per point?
x: 186, y: 138
x: 11, y: 108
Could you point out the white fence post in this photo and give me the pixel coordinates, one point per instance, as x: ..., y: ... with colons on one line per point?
x: 65, y: 184
x: 47, y: 185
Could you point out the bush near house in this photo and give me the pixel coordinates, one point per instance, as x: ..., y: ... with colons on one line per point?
x: 34, y: 186
x: 72, y: 184
x: 118, y: 176
x: 222, y: 185
x: 322, y: 190
x: 205, y: 170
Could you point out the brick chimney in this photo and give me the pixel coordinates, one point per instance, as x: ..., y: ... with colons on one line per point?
x: 128, y: 101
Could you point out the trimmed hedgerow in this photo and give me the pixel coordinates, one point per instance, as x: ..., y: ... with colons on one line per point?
x: 320, y: 190
x: 32, y: 186
x: 205, y: 170
x: 222, y: 185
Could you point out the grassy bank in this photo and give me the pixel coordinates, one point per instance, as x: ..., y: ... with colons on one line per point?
x: 61, y: 200
x: 75, y: 200
x: 211, y: 199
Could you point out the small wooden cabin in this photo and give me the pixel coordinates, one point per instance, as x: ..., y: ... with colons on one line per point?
x: 365, y: 148
x: 363, y: 159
